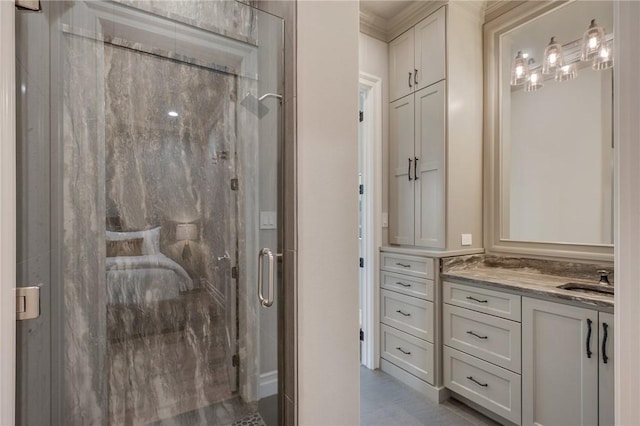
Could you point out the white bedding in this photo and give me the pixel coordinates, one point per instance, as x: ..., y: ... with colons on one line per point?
x: 143, y: 279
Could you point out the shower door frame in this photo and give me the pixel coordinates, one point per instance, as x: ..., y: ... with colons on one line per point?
x: 7, y: 212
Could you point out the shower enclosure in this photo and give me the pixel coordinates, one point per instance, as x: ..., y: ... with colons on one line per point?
x: 148, y: 137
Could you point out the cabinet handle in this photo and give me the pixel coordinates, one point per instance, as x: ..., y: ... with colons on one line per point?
x: 415, y: 168
x: 403, y: 284
x: 409, y: 170
x: 403, y: 351
x: 477, y: 300
x: 403, y: 313
x: 404, y: 265
x: 589, y: 338
x: 605, y: 327
x: 477, y: 335
x: 415, y: 77
x: 484, y: 385
x: 410, y: 80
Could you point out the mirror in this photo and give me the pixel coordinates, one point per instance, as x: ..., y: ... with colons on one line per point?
x: 552, y: 148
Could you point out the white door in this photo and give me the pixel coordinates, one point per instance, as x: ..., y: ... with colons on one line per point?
x: 7, y: 213
x: 430, y: 50
x: 559, y: 364
x: 606, y: 367
x: 401, y: 69
x: 429, y: 166
x: 401, y: 161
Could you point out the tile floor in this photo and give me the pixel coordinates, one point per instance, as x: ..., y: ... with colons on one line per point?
x: 385, y: 401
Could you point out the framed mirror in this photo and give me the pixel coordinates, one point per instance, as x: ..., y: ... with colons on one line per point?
x: 548, y: 131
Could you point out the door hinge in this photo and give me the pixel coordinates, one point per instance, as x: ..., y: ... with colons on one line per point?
x: 362, y: 262
x: 234, y: 184
x: 27, y: 303
x: 234, y: 272
x: 361, y: 116
x: 235, y: 360
x: 361, y: 189
x: 361, y: 335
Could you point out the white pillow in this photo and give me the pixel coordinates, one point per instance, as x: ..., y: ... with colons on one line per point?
x: 150, y: 244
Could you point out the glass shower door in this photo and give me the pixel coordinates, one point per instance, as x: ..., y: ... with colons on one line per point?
x: 147, y: 191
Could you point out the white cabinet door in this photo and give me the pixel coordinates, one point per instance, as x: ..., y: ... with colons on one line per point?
x: 401, y: 157
x: 559, y: 378
x: 430, y: 50
x: 401, y: 67
x: 430, y: 173
x: 605, y: 370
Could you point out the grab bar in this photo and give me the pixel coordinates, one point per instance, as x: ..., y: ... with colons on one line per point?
x: 266, y: 301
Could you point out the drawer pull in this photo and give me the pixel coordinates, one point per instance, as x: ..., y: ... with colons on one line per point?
x: 404, y: 265
x: 403, y: 351
x: 477, y: 300
x: 403, y: 284
x: 605, y: 328
x: 589, y: 338
x: 403, y: 313
x: 484, y: 385
x: 477, y: 335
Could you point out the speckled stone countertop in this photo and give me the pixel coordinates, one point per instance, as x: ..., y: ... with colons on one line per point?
x: 529, y: 276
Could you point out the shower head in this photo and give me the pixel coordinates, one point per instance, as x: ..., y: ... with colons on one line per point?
x: 254, y: 106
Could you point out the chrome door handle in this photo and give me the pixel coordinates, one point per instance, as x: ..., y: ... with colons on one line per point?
x: 266, y: 301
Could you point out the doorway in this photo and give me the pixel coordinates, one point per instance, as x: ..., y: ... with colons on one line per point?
x: 148, y: 143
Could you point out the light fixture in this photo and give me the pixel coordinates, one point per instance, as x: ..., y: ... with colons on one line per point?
x: 535, y: 80
x: 553, y: 57
x: 566, y: 72
x: 173, y: 114
x: 604, y: 59
x: 592, y: 41
x: 186, y: 232
x: 519, y: 70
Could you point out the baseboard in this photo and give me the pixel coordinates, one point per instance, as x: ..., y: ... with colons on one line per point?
x: 268, y: 384
x: 433, y: 393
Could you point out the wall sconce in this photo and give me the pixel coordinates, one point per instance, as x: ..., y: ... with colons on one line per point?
x: 186, y: 232
x: 560, y: 60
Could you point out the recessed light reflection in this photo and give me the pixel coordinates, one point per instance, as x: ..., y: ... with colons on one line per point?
x: 23, y: 88
x: 173, y: 114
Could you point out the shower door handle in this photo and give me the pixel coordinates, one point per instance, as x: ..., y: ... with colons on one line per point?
x: 268, y: 300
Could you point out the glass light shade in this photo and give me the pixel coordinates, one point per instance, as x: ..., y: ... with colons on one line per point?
x: 592, y: 41
x: 535, y: 81
x: 186, y: 231
x: 604, y: 59
x: 553, y: 57
x: 566, y: 72
x: 519, y: 70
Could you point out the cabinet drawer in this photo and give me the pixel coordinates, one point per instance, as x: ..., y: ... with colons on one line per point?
x: 492, y: 387
x: 415, y: 287
x: 411, y: 315
x: 407, y: 352
x: 493, y: 339
x: 496, y: 303
x: 420, y: 267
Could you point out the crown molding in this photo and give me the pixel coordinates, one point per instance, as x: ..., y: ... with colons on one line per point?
x: 496, y: 8
x: 373, y: 25
x: 411, y: 16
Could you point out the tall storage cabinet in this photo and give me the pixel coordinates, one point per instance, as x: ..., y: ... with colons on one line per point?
x: 435, y: 131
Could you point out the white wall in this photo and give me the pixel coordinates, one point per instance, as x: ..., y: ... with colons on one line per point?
x: 561, y: 161
x: 7, y: 214
x: 327, y: 144
x: 374, y: 60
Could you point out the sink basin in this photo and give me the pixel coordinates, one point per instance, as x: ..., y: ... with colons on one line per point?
x: 588, y: 288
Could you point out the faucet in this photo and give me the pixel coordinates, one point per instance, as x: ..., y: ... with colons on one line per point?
x: 604, y: 277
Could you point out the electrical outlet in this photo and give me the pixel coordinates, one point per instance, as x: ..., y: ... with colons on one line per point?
x: 467, y: 239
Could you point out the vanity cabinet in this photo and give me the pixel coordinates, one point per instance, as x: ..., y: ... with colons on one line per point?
x: 417, y: 56
x: 481, y: 334
x: 567, y: 366
x: 416, y: 158
x: 407, y: 318
x: 435, y: 131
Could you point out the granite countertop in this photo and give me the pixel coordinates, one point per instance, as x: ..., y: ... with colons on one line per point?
x: 529, y: 276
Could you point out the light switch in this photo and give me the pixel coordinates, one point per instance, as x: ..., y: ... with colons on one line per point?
x: 467, y: 239
x: 268, y: 220
x: 385, y: 220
